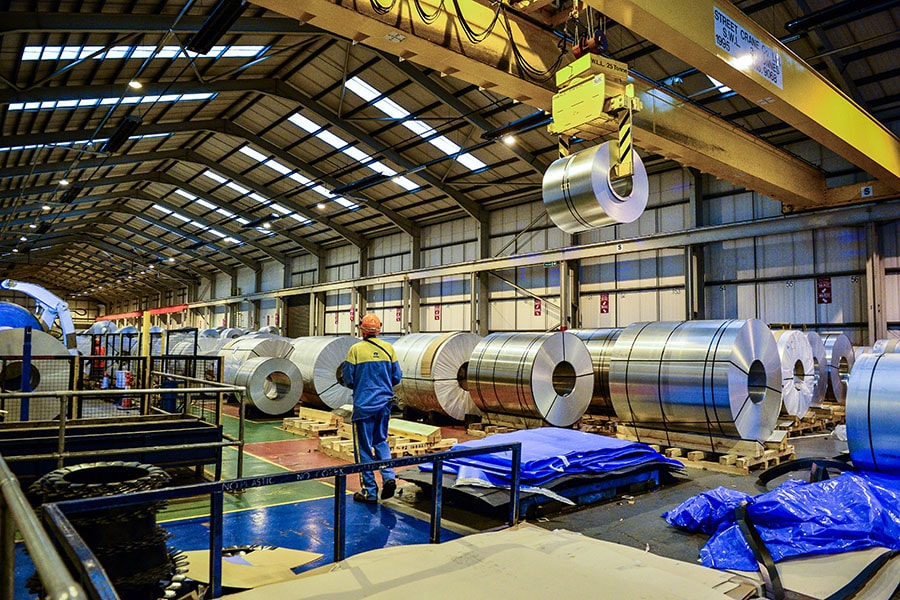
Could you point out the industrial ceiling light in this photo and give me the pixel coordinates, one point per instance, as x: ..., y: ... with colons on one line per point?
x: 135, y: 84
x: 45, y: 207
x: 23, y: 239
x: 508, y: 139
x: 216, y: 25
x: 63, y: 182
x: 125, y: 130
x: 32, y: 226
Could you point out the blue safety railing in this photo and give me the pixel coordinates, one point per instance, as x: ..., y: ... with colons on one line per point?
x: 98, y: 586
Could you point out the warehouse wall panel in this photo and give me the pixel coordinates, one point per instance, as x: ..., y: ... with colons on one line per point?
x: 787, y: 255
x: 272, y: 276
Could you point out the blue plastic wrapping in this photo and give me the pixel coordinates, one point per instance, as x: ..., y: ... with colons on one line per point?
x: 850, y: 512
x: 706, y: 511
x: 549, y: 453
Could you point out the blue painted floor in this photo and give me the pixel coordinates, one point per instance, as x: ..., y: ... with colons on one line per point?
x: 306, y: 525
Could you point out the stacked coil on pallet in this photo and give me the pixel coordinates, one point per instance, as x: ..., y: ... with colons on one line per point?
x: 873, y: 410
x: 320, y: 360
x: 435, y: 373
x: 545, y: 376
x: 273, y: 382
x: 840, y: 357
x: 600, y: 343
x: 714, y: 377
x: 820, y: 366
x: 797, y: 372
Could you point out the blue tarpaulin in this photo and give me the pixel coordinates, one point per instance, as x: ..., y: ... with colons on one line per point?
x: 549, y: 453
x: 849, y: 512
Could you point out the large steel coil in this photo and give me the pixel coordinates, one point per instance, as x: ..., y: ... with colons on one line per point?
x: 797, y: 372
x: 820, y: 366
x: 840, y: 358
x: 711, y: 377
x: 435, y: 368
x: 579, y: 196
x: 544, y: 376
x: 600, y: 343
x: 873, y: 411
x: 885, y: 346
x: 321, y: 359
x: 237, y: 351
x: 49, y: 372
x: 860, y: 350
x: 273, y: 384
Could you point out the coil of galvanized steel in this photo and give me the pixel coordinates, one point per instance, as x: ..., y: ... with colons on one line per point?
x: 435, y: 368
x: 47, y: 374
x: 273, y: 384
x: 711, y: 377
x: 840, y: 358
x: 237, y: 351
x: 820, y: 366
x: 321, y: 359
x: 885, y: 346
x: 546, y: 376
x: 232, y: 333
x: 797, y: 372
x: 578, y: 194
x: 860, y: 350
x: 873, y: 411
x: 600, y: 343
x: 204, y: 347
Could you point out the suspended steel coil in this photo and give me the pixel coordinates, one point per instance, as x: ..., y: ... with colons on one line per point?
x: 435, y: 368
x: 273, y: 384
x: 820, y: 366
x: 840, y: 358
x: 873, y: 411
x: 320, y: 360
x: 600, y: 343
x: 545, y: 376
x: 711, y: 377
x: 797, y: 372
x: 579, y: 196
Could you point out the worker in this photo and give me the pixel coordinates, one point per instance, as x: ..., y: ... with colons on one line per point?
x: 371, y: 370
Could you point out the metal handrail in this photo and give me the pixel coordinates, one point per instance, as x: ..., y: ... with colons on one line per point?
x: 16, y: 513
x: 100, y: 587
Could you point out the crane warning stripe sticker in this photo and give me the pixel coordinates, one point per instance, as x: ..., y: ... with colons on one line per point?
x: 740, y: 43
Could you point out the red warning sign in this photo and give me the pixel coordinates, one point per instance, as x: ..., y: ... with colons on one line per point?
x: 537, y: 307
x: 604, y: 303
x: 823, y: 290
x: 437, y: 312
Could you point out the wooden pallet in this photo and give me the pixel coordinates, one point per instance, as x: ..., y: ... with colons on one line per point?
x: 713, y: 453
x: 797, y: 427
x: 405, y: 438
x: 600, y: 424
x: 312, y: 422
x: 831, y: 413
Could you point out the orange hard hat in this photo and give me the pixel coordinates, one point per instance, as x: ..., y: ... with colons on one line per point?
x: 370, y: 325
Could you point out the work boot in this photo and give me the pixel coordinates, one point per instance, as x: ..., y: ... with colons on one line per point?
x: 362, y: 497
x: 388, y: 489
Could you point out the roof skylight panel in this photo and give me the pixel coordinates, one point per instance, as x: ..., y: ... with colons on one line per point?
x: 32, y: 53
x: 90, y: 102
x: 420, y: 128
x: 350, y: 150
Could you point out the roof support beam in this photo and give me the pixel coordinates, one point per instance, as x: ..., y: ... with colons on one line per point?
x: 49, y: 22
x: 669, y: 126
x: 707, y: 35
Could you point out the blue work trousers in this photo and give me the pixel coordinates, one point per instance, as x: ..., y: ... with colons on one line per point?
x: 371, y: 444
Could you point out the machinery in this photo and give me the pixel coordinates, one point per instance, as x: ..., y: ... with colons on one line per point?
x: 50, y: 307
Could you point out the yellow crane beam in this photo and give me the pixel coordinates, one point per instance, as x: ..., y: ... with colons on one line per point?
x: 667, y: 125
x: 721, y: 41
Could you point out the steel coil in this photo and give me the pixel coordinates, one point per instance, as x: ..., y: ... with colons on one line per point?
x: 711, y: 377
x: 600, y: 343
x: 237, y: 351
x: 435, y: 368
x: 820, y: 366
x: 47, y: 374
x: 885, y: 346
x: 873, y: 411
x: 578, y: 194
x: 544, y: 376
x: 860, y: 350
x: 797, y: 372
x: 320, y: 360
x: 840, y: 358
x: 273, y: 384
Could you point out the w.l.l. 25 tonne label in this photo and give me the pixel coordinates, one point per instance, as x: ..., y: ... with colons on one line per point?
x: 740, y: 43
